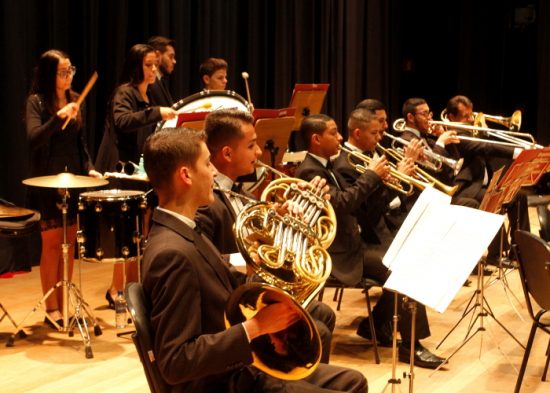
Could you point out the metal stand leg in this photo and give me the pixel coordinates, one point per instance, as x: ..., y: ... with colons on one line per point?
x: 394, y: 381
x: 484, y: 311
x: 70, y: 294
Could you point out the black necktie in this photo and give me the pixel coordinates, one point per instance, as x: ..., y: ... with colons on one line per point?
x: 332, y: 174
x: 237, y: 187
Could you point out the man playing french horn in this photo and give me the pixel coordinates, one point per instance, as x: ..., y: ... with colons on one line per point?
x: 188, y: 285
x: 231, y: 139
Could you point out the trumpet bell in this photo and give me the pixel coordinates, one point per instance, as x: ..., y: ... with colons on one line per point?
x: 290, y: 355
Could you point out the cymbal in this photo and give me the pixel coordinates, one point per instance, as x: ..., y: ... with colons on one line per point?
x: 65, y: 180
x: 7, y: 212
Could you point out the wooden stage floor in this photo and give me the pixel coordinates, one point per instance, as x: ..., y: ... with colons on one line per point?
x: 48, y: 361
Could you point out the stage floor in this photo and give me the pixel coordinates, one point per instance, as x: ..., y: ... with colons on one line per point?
x: 48, y: 361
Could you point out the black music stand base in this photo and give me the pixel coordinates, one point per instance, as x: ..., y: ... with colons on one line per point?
x: 477, y: 301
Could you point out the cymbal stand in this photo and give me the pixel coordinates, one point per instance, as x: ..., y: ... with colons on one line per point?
x: 476, y: 302
x: 70, y: 293
x: 394, y: 381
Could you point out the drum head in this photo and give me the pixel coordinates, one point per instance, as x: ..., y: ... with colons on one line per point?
x: 206, y: 101
x: 110, y: 195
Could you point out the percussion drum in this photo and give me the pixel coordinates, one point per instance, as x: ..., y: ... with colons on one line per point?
x: 206, y: 101
x: 109, y: 224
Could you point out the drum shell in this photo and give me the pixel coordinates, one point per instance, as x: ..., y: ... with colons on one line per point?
x: 109, y: 224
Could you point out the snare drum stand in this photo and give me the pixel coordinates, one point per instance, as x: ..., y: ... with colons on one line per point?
x: 70, y: 293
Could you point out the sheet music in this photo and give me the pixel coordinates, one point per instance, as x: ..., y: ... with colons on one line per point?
x: 437, y: 247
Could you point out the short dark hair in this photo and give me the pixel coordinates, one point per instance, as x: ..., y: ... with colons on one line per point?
x: 133, y: 64
x: 452, y: 104
x: 211, y: 65
x: 224, y: 126
x: 359, y: 118
x: 160, y: 43
x: 410, y: 105
x: 168, y: 149
x: 371, y: 104
x: 313, y: 124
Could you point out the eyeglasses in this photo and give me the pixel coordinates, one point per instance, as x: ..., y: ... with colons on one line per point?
x: 68, y: 72
x: 425, y: 113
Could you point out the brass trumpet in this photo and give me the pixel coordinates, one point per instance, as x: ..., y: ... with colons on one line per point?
x: 421, y: 174
x: 399, y: 182
x: 289, y: 254
x: 433, y: 160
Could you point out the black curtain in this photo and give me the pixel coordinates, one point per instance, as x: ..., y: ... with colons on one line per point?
x: 385, y: 49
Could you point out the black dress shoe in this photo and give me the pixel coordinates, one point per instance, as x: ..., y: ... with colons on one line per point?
x: 50, y: 324
x: 110, y: 300
x: 422, y: 357
x: 383, y: 336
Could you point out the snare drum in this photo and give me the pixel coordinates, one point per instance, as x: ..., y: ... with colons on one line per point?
x: 207, y: 101
x: 109, y: 225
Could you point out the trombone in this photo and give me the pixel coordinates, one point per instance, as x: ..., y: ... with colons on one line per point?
x: 399, y: 182
x: 421, y: 174
x: 512, y: 123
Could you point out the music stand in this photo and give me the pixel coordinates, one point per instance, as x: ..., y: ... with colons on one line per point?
x: 308, y: 99
x: 273, y: 133
x: 432, y: 240
x: 65, y: 181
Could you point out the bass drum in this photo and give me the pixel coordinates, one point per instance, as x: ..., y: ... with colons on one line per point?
x: 204, y: 102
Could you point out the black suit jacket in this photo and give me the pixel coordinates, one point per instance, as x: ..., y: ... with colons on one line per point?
x: 189, y: 286
x: 347, y: 260
x: 159, y: 93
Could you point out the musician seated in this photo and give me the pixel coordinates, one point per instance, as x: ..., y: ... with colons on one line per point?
x: 234, y: 152
x: 213, y: 73
x: 352, y: 258
x: 189, y: 285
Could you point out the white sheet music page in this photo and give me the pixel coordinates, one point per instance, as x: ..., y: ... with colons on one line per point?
x: 437, y: 247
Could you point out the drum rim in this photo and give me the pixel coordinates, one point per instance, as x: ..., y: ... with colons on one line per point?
x: 203, y: 94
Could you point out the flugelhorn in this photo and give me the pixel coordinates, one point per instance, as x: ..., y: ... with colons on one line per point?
x: 398, y: 181
x: 289, y: 254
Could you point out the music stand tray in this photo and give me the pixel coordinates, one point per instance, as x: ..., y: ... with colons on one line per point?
x: 308, y: 99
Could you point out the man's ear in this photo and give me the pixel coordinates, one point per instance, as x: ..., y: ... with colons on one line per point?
x: 206, y: 80
x: 315, y: 139
x: 227, y: 153
x: 356, y: 133
x: 184, y: 174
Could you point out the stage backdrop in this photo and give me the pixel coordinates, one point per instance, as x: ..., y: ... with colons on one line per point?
x: 496, y: 52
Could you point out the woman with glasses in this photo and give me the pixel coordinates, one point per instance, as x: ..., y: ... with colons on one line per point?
x: 54, y: 150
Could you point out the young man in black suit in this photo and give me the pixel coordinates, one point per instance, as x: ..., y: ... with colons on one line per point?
x: 231, y: 140
x: 188, y: 285
x: 351, y: 255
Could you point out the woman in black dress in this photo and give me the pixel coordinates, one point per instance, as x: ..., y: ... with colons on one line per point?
x: 52, y: 151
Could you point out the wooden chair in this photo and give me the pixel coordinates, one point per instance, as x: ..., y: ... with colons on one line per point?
x: 533, y: 255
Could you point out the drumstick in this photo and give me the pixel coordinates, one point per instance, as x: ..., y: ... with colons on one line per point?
x: 245, y: 77
x: 85, y: 92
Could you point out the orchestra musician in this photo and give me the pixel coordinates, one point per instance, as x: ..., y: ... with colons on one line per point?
x: 131, y: 119
x: 188, y: 285
x: 50, y: 102
x: 352, y: 257
x: 166, y: 53
x: 213, y: 74
x: 232, y: 142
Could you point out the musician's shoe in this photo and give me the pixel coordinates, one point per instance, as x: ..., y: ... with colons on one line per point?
x: 504, y: 262
x: 422, y: 357
x: 383, y: 335
x: 110, y: 300
x: 50, y: 324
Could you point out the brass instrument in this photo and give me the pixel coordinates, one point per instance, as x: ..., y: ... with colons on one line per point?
x: 512, y: 123
x: 511, y: 138
x: 289, y: 254
x: 421, y: 174
x: 399, y: 182
x: 433, y: 160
